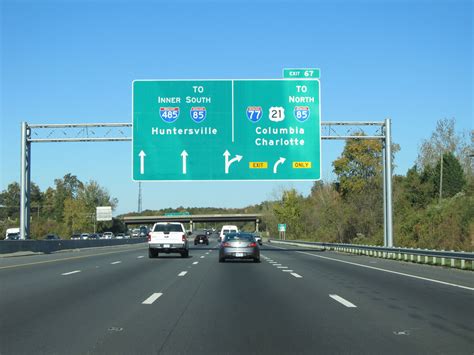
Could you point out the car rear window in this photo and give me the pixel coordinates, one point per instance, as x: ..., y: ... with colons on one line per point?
x: 166, y: 228
x: 233, y: 237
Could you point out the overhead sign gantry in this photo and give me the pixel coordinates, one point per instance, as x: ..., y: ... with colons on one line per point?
x: 187, y: 130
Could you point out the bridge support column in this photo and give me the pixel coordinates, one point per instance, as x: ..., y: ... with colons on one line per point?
x: 191, y: 226
x: 257, y: 221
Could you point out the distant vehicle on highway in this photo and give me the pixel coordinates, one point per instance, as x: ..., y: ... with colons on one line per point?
x: 107, y: 235
x: 167, y: 238
x: 84, y: 236
x: 201, y: 239
x: 75, y: 236
x: 93, y: 236
x: 227, y: 229
x: 239, y: 246
x: 51, y: 237
x: 135, y: 233
x: 258, y: 237
x: 143, y: 231
x: 120, y: 236
x: 12, y: 234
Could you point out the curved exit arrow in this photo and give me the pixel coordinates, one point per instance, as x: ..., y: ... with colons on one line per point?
x: 278, y: 162
x: 228, y: 162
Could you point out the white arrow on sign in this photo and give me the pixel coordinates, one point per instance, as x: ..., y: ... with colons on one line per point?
x: 142, y: 162
x: 228, y: 162
x: 184, y: 155
x: 278, y: 162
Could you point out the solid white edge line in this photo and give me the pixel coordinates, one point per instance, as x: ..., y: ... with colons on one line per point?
x: 182, y: 273
x: 70, y: 273
x: 152, y: 298
x: 343, y: 301
x: 296, y: 275
x: 390, y: 271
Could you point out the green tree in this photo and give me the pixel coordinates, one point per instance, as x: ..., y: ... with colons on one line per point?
x: 76, y: 217
x: 289, y: 212
x: 453, y: 180
x: 10, y: 200
x: 66, y: 188
x: 359, y: 166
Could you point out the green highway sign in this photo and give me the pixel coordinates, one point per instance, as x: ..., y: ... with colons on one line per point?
x: 186, y: 130
x: 282, y: 227
x: 302, y: 73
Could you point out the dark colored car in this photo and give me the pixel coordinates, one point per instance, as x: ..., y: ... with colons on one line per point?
x: 52, y: 237
x: 201, y: 239
x: 93, y: 236
x: 239, y: 246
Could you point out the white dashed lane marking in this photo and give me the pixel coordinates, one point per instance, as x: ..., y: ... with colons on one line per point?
x: 116, y: 262
x: 282, y: 267
x: 152, y: 298
x: 182, y: 273
x: 202, y: 257
x: 196, y: 262
x: 287, y: 270
x: 296, y: 275
x: 343, y: 301
x: 139, y: 257
x: 70, y: 273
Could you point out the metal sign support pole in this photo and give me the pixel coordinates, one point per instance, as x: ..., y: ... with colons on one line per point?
x: 388, y: 225
x: 25, y: 176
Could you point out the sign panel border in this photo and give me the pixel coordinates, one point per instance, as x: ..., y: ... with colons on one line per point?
x: 232, y: 81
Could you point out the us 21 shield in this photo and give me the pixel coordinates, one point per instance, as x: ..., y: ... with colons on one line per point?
x: 198, y: 114
x: 169, y: 114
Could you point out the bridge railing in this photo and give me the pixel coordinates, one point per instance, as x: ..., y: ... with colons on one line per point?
x: 455, y: 259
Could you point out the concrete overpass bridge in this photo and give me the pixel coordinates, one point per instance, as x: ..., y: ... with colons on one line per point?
x: 192, y: 219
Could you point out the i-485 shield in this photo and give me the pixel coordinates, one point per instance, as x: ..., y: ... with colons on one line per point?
x: 198, y: 114
x: 169, y: 114
x: 301, y: 113
x: 254, y: 113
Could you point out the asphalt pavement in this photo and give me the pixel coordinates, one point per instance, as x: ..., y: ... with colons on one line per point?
x: 296, y: 301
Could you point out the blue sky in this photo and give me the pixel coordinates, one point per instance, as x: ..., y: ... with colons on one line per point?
x: 74, y: 62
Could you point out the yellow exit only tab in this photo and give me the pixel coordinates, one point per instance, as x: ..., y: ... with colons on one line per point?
x: 258, y: 165
x: 301, y: 165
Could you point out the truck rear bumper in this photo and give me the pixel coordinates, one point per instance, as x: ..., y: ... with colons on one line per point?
x: 164, y: 247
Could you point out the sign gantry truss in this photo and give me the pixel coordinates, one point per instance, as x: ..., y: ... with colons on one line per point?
x: 117, y: 132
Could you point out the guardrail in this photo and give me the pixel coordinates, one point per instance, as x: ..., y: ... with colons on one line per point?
x: 50, y: 246
x: 425, y: 256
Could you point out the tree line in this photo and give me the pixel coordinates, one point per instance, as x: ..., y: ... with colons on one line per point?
x: 68, y: 207
x: 433, y: 204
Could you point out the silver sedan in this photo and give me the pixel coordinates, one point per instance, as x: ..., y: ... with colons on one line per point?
x: 239, y: 246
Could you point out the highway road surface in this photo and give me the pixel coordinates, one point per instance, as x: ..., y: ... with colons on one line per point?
x: 118, y: 301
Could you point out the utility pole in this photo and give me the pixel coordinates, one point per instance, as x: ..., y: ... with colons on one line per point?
x: 441, y: 178
x: 139, y: 197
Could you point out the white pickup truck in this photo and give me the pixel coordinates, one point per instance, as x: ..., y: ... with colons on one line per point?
x: 167, y: 238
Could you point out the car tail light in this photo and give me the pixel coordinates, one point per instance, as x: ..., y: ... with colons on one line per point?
x: 252, y: 245
x: 226, y: 244
x: 183, y: 238
x: 148, y: 236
